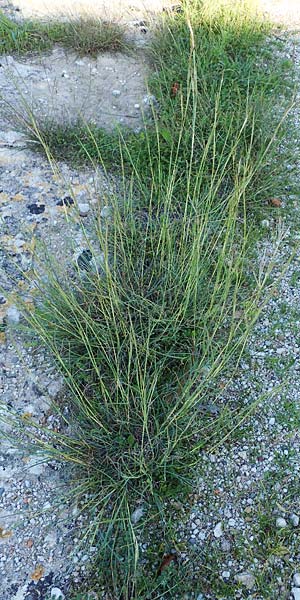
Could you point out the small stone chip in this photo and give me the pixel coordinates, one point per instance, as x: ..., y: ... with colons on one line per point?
x: 218, y: 530
x: 57, y: 594
x: 66, y: 201
x: 83, y: 209
x: 246, y: 579
x: 281, y: 523
x: 36, y: 209
x: 294, y: 520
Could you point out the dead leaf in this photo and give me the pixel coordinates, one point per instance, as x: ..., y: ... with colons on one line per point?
x: 4, y: 533
x: 26, y: 415
x: 2, y: 337
x: 38, y: 573
x: 276, y: 202
x: 166, y: 561
x: 174, y: 89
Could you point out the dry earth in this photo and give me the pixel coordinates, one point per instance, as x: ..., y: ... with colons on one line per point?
x: 123, y: 10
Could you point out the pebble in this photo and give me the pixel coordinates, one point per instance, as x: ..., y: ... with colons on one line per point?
x: 13, y: 315
x: 246, y: 579
x: 57, y: 594
x: 150, y: 100
x: 296, y: 593
x: 36, y: 208
x: 296, y: 580
x: 54, y: 388
x: 294, y: 519
x: 226, y: 574
x: 226, y: 545
x: 83, y: 209
x: 281, y: 523
x: 218, y: 530
x: 116, y: 93
x: 105, y: 212
x: 66, y: 201
x: 137, y: 514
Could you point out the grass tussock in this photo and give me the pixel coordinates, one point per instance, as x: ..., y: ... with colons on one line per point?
x: 82, y: 35
x: 143, y: 332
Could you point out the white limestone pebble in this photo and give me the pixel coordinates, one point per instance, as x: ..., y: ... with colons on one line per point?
x: 218, y: 530
x: 83, y: 209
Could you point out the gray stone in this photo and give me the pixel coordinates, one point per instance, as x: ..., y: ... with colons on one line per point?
x: 296, y: 580
x: 150, y: 100
x: 296, y: 593
x: 54, y: 388
x: 13, y: 315
x: 137, y: 514
x: 218, y: 530
x: 105, y: 211
x: 226, y: 545
x: 294, y: 520
x: 281, y: 523
x: 226, y: 574
x: 84, y: 209
x: 57, y: 594
x: 246, y: 579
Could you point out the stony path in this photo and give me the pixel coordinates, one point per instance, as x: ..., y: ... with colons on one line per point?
x: 244, y: 524
x: 243, y: 533
x: 37, y: 526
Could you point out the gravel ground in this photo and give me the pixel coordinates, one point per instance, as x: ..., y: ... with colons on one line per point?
x: 37, y: 526
x: 242, y: 534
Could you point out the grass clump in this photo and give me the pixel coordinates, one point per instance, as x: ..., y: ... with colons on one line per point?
x: 89, y: 36
x: 22, y: 38
x: 82, y: 35
x: 143, y: 332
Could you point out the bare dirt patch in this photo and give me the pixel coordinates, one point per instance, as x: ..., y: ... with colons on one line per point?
x: 109, y: 90
x: 120, y: 9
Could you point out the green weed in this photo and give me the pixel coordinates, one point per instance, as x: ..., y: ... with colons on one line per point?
x: 82, y: 35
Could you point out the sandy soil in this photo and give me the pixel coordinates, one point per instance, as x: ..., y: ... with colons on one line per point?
x: 119, y: 9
